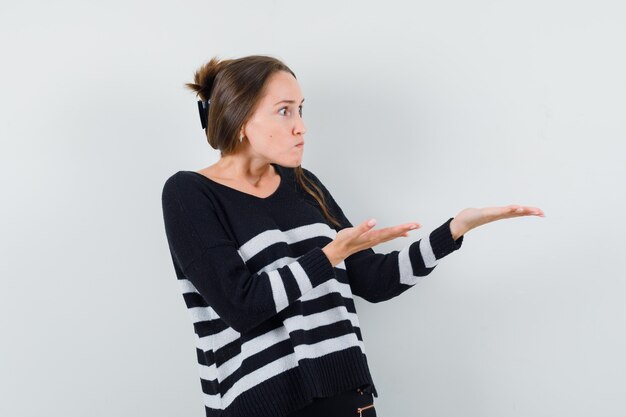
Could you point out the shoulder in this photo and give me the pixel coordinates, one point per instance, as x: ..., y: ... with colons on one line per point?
x: 188, y: 187
x: 311, y: 175
x: 173, y: 183
x: 185, y: 179
x: 316, y: 180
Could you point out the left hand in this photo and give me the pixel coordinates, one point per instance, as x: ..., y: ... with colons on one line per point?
x: 470, y: 218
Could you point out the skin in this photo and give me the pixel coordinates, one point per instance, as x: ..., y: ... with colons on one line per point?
x: 271, y: 135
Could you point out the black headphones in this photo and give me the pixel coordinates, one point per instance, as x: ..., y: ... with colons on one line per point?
x: 203, y: 108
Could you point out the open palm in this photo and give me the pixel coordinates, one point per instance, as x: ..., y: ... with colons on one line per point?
x: 471, y: 218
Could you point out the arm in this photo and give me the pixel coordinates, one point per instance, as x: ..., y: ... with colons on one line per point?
x: 212, y: 262
x: 378, y: 277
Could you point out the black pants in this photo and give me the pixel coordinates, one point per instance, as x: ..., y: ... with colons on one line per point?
x: 346, y: 404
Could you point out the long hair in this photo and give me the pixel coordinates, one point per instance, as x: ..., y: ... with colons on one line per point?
x: 234, y: 87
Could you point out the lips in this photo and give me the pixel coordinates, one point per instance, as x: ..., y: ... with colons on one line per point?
x: 299, y: 144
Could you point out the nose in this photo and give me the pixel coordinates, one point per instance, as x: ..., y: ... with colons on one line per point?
x: 299, y: 128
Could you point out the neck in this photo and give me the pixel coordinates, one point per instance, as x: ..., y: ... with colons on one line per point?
x: 250, y: 170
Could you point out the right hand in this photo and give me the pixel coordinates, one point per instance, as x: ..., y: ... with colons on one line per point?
x: 362, y: 236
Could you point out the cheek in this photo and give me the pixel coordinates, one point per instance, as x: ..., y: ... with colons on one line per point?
x: 269, y: 131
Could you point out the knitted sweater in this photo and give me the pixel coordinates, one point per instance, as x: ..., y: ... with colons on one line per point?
x: 275, y: 322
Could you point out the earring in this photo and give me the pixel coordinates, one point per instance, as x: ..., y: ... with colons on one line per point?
x: 241, y: 137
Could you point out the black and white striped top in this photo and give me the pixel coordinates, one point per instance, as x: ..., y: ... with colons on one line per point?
x: 275, y: 322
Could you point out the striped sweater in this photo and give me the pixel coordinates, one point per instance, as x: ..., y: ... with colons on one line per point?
x: 275, y: 322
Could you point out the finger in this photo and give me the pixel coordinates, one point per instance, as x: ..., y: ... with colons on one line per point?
x: 367, y: 225
x: 397, y: 229
x: 526, y: 210
x: 388, y: 233
x: 404, y: 227
x: 534, y: 211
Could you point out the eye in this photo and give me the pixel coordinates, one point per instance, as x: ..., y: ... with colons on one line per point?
x: 285, y: 108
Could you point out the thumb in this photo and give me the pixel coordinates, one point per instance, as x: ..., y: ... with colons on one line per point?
x: 369, y: 224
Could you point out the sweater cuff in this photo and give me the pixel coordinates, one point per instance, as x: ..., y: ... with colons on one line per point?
x: 317, y: 266
x: 442, y: 242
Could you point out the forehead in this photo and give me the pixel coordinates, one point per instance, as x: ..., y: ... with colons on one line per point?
x: 282, y: 86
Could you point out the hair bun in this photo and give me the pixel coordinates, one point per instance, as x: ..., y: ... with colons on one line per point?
x: 204, y: 78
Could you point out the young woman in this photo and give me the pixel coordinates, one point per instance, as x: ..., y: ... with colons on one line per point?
x: 268, y: 262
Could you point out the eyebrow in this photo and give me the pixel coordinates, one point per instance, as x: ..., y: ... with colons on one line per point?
x: 288, y: 101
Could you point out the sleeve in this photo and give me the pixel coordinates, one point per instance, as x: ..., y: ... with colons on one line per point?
x: 209, y: 259
x: 378, y: 277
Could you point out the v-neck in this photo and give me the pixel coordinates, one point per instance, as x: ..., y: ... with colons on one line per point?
x: 272, y: 195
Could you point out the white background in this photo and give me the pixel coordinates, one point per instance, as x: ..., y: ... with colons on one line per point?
x: 414, y: 111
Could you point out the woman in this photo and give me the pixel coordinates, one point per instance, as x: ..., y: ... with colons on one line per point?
x: 268, y: 263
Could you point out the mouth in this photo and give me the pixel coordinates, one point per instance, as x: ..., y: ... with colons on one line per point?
x: 300, y: 144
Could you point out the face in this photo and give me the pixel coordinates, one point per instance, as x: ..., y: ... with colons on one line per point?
x: 276, y: 126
